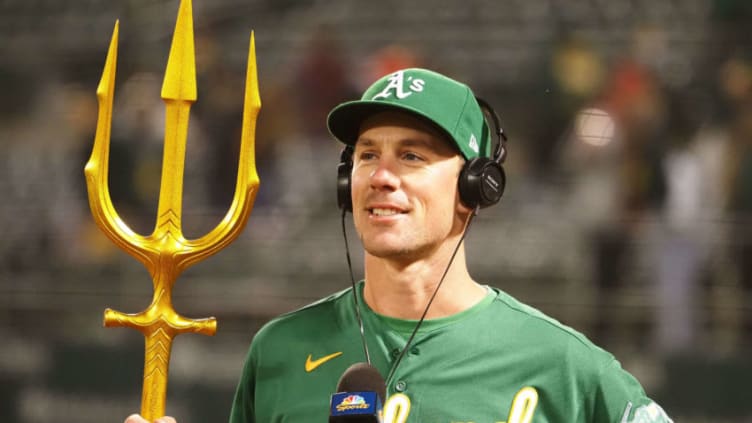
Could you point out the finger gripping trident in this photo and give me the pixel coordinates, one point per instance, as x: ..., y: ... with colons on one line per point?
x: 166, y: 252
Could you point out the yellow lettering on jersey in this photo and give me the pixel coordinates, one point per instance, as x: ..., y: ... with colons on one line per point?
x: 523, y: 406
x: 396, y: 409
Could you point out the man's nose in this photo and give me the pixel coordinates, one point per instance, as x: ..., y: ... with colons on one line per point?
x: 384, y: 176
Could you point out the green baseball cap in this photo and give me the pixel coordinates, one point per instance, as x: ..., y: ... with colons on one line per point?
x: 447, y: 104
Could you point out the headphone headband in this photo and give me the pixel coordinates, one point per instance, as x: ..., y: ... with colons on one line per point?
x: 500, y: 151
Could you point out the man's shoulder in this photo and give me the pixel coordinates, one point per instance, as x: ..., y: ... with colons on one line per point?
x: 532, y: 326
x: 319, y: 317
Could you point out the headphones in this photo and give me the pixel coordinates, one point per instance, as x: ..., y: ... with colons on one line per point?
x: 481, y: 181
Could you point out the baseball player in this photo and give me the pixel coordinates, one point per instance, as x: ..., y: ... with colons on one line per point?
x: 420, y: 160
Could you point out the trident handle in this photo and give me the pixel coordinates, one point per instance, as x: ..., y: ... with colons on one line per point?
x: 166, y: 252
x: 159, y: 324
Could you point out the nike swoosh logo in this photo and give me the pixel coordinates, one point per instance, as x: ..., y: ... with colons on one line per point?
x: 311, y: 365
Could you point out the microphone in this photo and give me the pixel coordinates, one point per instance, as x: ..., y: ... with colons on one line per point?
x: 360, y: 395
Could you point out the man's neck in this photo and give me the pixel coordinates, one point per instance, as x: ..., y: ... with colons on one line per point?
x: 402, y: 290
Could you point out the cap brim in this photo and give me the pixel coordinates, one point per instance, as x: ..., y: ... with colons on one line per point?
x: 344, y: 121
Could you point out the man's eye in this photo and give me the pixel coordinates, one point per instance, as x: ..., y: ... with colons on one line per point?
x: 366, y: 155
x: 411, y: 157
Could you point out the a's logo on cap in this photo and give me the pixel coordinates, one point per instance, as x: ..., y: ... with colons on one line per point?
x: 473, y: 143
x: 397, y: 83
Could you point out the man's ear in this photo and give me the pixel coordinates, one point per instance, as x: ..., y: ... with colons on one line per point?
x: 460, y: 207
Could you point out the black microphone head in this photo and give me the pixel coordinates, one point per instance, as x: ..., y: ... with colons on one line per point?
x: 362, y: 377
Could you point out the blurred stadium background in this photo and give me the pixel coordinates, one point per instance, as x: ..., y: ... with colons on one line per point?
x: 642, y: 240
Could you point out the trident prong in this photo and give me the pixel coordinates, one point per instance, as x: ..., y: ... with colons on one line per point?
x: 165, y: 252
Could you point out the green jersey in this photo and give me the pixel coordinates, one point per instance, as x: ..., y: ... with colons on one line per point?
x: 497, y: 362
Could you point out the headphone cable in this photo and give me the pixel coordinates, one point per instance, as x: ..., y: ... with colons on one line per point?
x: 355, y: 296
x: 435, y: 291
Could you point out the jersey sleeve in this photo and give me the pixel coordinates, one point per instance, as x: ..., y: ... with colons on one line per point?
x: 620, y: 398
x: 243, y: 410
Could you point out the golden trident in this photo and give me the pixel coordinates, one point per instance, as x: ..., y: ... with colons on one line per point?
x: 166, y: 253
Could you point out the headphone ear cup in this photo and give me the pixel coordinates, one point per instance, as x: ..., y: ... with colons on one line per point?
x: 481, y: 182
x: 344, y: 173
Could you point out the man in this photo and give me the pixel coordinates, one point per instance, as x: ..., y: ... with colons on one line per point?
x: 451, y: 349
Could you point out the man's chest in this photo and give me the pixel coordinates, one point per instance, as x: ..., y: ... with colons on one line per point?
x: 462, y: 404
x: 421, y: 390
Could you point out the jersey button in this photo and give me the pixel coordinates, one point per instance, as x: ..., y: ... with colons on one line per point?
x: 414, y: 350
x: 400, y: 386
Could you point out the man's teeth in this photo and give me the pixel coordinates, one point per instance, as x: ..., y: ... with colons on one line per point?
x: 384, y: 212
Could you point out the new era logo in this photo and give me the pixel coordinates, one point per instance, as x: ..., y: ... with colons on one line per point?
x: 473, y: 143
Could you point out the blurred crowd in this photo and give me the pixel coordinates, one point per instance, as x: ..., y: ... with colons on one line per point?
x: 652, y: 160
x: 646, y: 158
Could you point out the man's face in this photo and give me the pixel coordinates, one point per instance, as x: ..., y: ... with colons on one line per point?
x: 404, y: 187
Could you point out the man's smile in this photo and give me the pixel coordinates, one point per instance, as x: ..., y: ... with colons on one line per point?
x: 381, y: 211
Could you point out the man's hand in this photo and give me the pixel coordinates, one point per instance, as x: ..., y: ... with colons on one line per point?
x: 135, y: 418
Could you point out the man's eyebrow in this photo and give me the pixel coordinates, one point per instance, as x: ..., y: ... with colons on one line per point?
x: 412, y: 142
x: 407, y: 142
x: 363, y: 141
